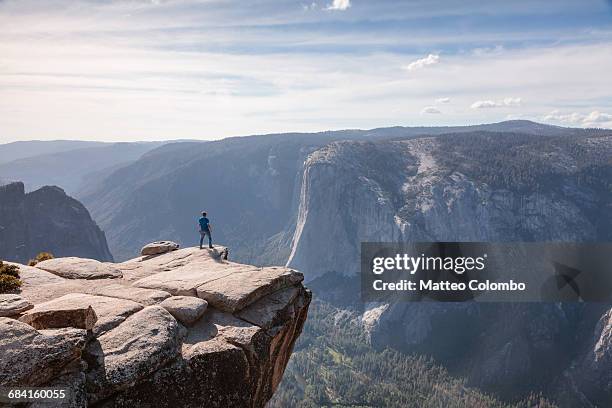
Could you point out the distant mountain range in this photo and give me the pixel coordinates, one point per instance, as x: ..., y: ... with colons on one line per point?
x: 308, y: 200
x: 72, y: 165
x: 249, y: 185
x: 22, y: 150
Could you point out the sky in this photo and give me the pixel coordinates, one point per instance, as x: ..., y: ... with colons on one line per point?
x: 119, y: 70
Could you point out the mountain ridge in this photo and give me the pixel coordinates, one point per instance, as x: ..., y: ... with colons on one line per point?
x: 269, y: 175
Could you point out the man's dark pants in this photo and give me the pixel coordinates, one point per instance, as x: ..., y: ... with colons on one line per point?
x: 203, y: 233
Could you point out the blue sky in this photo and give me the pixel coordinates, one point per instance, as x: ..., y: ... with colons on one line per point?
x: 150, y: 70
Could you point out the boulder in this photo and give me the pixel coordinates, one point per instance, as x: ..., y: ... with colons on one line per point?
x: 12, y: 305
x: 54, y: 317
x: 186, y: 309
x: 140, y: 345
x: 110, y: 312
x: 159, y: 247
x: 79, y: 268
x: 31, y: 358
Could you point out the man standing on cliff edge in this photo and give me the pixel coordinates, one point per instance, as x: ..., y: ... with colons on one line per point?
x: 205, y: 230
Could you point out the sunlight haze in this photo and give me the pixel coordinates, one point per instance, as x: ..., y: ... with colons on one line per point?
x: 154, y: 70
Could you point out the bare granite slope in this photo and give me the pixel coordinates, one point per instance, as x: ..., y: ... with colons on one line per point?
x: 185, y: 328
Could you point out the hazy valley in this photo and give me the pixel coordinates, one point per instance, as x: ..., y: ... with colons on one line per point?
x: 308, y: 200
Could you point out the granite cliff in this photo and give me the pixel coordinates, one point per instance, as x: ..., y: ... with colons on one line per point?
x: 471, y: 187
x: 183, y: 328
x: 250, y: 186
x: 415, y: 190
x: 47, y: 220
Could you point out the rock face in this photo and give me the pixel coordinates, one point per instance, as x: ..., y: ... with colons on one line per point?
x: 151, y: 337
x: 406, y: 191
x: 30, y: 357
x: 466, y: 188
x: 589, y: 380
x: 47, y: 220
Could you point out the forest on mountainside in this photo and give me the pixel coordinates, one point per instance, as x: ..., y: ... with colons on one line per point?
x: 333, y: 365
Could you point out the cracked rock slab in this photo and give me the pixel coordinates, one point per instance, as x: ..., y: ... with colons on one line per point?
x: 184, y: 280
x: 227, y: 286
x: 12, y: 305
x: 238, y: 290
x: 147, y: 297
x: 79, y: 268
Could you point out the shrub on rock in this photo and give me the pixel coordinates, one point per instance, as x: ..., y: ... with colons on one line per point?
x: 8, y: 269
x: 9, y: 278
x: 42, y: 256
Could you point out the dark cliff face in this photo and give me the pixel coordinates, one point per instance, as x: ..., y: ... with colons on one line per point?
x: 47, y: 220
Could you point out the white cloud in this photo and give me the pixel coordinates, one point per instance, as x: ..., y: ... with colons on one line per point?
x: 310, y: 6
x: 339, y: 5
x: 487, y: 104
x: 431, y: 59
x: 555, y: 116
x: 512, y: 102
x: 484, y: 105
x: 430, y: 110
x: 593, y: 119
x: 598, y: 117
x: 443, y: 100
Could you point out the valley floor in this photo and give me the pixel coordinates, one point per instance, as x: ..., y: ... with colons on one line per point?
x: 334, y: 366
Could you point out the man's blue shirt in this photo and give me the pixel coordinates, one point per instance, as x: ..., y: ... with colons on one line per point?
x: 204, y: 223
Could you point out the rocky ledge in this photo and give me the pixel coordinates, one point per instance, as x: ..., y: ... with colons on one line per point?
x: 185, y: 328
